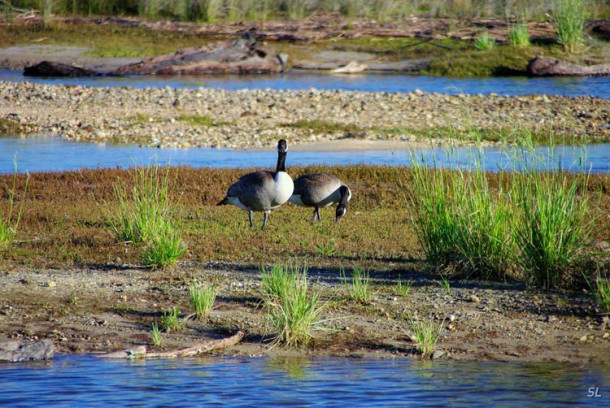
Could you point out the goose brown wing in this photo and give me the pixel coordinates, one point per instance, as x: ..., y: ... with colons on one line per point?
x: 251, y: 187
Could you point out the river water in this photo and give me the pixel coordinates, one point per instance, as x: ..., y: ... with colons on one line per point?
x: 371, y: 82
x: 35, y: 154
x: 84, y: 381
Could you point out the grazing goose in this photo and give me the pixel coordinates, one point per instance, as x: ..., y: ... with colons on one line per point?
x: 262, y: 190
x: 321, y: 190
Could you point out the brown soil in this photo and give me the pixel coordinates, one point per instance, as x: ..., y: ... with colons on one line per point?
x: 112, y: 308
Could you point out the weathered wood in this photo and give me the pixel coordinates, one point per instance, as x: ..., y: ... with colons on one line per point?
x: 14, y: 351
x: 547, y: 66
x: 57, y: 69
x: 242, y: 56
x: 140, y: 352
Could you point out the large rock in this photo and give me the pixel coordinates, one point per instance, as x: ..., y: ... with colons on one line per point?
x: 57, y: 69
x: 242, y: 56
x: 546, y: 66
x: 14, y: 351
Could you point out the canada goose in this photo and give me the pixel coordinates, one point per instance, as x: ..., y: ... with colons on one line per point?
x: 321, y: 190
x: 262, y: 190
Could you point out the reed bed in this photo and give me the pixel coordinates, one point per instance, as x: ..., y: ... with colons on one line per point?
x: 233, y: 10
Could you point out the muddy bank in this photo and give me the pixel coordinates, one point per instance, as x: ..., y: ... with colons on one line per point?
x: 112, y: 308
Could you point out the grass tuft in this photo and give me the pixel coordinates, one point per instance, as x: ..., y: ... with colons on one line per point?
x: 170, y: 321
x: 293, y: 312
x: 155, y: 335
x: 9, y: 220
x: 484, y: 42
x: 518, y: 35
x: 202, y: 299
x: 402, y: 288
x: 358, y: 288
x: 425, y: 335
x: 569, y: 17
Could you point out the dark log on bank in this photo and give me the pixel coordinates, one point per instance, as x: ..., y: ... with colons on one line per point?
x: 242, y: 56
x: 546, y: 66
x: 15, y: 351
x: 57, y: 69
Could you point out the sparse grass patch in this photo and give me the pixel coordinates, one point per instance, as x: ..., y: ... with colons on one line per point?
x: 9, y: 219
x: 198, y: 120
x: 483, y: 42
x: 518, y: 35
x: 170, y: 321
x: 279, y: 280
x: 445, y: 283
x: 202, y: 299
x: 155, y: 335
x: 602, y: 293
x: 358, y: 286
x: 425, y: 335
x: 402, y: 288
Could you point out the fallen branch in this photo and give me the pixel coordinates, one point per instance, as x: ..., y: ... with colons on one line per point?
x: 140, y: 352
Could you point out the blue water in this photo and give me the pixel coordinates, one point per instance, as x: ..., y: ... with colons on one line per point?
x: 36, y: 154
x: 570, y: 86
x: 84, y: 381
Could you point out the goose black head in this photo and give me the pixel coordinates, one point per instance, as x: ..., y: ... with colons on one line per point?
x: 341, y: 210
x: 342, y: 207
x: 282, y: 146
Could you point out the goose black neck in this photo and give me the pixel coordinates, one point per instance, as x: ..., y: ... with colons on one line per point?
x: 344, y: 195
x: 281, y: 162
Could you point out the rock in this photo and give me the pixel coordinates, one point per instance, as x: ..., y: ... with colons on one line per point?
x: 546, y: 66
x: 437, y: 354
x: 57, y: 69
x: 474, y: 299
x: 242, y: 56
x: 14, y: 351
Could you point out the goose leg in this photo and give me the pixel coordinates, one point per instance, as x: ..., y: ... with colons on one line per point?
x: 318, y: 213
x: 250, y: 217
x: 266, y: 216
x: 314, y: 215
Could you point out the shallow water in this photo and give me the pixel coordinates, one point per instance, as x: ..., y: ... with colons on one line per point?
x: 370, y: 82
x: 35, y: 154
x: 81, y: 380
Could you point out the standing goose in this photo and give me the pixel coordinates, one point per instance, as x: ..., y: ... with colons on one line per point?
x: 262, y: 190
x: 320, y: 190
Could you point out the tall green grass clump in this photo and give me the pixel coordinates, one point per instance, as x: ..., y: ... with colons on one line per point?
x: 460, y: 222
x: 555, y: 227
x: 9, y: 220
x: 358, y: 287
x: 425, y: 335
x: 170, y: 321
x: 144, y: 216
x: 293, y: 311
x: 602, y: 293
x: 155, y: 334
x: 202, y: 299
x: 280, y: 279
x: 518, y: 35
x: 569, y: 17
x: 483, y: 42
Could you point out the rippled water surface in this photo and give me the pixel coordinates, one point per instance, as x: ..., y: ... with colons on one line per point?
x: 54, y: 154
x: 370, y: 82
x: 75, y: 381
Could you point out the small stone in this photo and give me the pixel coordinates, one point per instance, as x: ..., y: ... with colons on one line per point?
x: 474, y: 299
x: 583, y: 338
x: 437, y: 354
x: 50, y: 284
x: 605, y: 335
x: 451, y: 317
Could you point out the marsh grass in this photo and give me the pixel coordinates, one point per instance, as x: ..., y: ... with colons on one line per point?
x: 199, y: 120
x: 570, y: 17
x: 483, y: 42
x: 155, y: 335
x: 170, y: 321
x: 145, y: 216
x: 425, y: 335
x: 318, y: 126
x: 327, y: 247
x: 358, y: 287
x: 602, y: 293
x: 554, y: 227
x: 445, y: 283
x: 518, y: 35
x: 202, y: 299
x: 9, y: 219
x: 279, y: 280
x: 293, y: 311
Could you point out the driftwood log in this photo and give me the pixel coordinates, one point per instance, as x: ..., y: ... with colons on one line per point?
x: 242, y: 56
x: 140, y: 352
x: 546, y: 66
x: 57, y: 69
